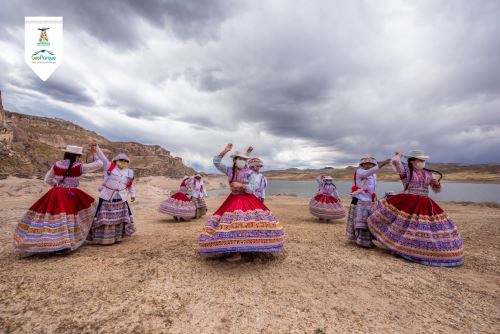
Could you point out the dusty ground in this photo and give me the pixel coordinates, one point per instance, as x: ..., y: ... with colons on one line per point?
x: 155, y: 282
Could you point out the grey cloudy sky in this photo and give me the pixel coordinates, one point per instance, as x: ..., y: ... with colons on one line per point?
x: 308, y: 83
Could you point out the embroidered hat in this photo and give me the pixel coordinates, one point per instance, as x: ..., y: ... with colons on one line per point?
x: 255, y: 162
x: 239, y: 154
x: 368, y: 159
x: 419, y: 154
x: 121, y: 156
x: 74, y: 149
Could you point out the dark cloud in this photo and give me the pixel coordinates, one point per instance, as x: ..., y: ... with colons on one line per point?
x: 341, y: 78
x: 116, y: 22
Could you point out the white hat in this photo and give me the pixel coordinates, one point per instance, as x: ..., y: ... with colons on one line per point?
x: 419, y: 154
x: 74, y: 149
x: 121, y: 156
x: 255, y: 162
x: 239, y: 154
x: 185, y: 178
x: 368, y: 159
x: 327, y: 177
x: 197, y: 175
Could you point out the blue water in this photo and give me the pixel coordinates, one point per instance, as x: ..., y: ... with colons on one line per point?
x: 473, y: 192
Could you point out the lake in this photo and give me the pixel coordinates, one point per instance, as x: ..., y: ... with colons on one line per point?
x: 473, y: 192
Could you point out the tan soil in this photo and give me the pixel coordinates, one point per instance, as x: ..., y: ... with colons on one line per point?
x: 155, y: 281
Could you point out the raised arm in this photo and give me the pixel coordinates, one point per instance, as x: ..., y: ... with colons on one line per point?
x: 400, y: 167
x: 219, y: 165
x: 103, y: 158
x: 92, y: 167
x: 218, y: 159
x: 367, y: 172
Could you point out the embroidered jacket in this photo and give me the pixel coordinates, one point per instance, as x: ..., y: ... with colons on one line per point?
x: 326, y: 189
x: 420, y: 181
x: 197, y: 188
x: 117, y: 182
x: 244, y: 176
x: 366, y: 181
x: 261, y: 180
x: 55, y: 175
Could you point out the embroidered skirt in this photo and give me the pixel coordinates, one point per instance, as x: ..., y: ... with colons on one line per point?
x: 113, y: 221
x: 59, y: 221
x: 416, y: 228
x: 326, y: 207
x: 242, y: 224
x: 357, y: 226
x: 178, y: 205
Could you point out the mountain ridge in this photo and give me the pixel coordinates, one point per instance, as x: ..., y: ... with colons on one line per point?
x: 29, y: 145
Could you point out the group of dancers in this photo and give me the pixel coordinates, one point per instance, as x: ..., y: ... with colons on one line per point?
x: 410, y: 224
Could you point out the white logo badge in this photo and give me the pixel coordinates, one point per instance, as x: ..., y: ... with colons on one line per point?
x: 43, y: 44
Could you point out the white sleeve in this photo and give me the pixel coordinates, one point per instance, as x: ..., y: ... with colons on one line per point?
x: 50, y: 177
x: 367, y: 172
x: 92, y: 167
x: 101, y: 156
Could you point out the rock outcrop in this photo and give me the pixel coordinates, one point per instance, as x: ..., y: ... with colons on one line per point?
x: 32, y: 144
x: 5, y: 132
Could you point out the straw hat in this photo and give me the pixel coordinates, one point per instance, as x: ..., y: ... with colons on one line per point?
x: 255, y: 162
x: 74, y: 149
x: 239, y: 154
x: 418, y: 154
x: 121, y: 156
x: 368, y: 159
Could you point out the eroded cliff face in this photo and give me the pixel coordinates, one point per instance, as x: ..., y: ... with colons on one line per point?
x: 37, y: 142
x: 5, y: 132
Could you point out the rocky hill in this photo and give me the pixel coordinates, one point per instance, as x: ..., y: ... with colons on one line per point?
x: 29, y: 145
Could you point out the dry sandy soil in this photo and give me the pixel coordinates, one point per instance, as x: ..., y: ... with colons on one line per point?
x: 155, y: 281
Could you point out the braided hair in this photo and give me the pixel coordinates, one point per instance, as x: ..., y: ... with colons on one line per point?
x: 234, y: 171
x: 410, y: 166
x: 72, y: 159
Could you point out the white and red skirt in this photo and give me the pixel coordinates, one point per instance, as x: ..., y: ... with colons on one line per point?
x: 178, y: 205
x: 326, y: 207
x: 242, y: 224
x: 416, y: 228
x: 59, y: 221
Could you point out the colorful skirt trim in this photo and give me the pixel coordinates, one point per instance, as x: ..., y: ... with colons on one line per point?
x: 357, y: 226
x: 326, y: 207
x: 178, y: 205
x: 199, y: 203
x: 416, y: 228
x: 59, y: 221
x: 113, y: 221
x: 242, y: 224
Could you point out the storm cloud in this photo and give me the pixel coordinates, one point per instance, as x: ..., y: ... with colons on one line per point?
x: 308, y: 83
